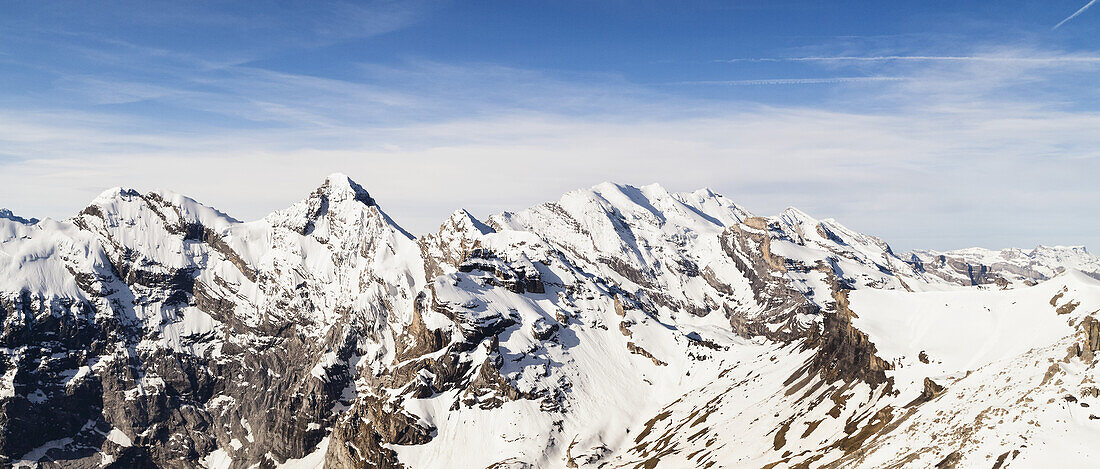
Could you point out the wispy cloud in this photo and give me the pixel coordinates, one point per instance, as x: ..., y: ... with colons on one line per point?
x: 1074, y: 15
x: 793, y: 81
x: 1053, y: 59
x: 365, y: 19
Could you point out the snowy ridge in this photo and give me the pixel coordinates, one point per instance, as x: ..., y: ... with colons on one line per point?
x: 618, y: 326
x: 1007, y: 266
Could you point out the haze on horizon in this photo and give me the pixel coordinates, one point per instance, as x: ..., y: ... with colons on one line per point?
x: 934, y: 125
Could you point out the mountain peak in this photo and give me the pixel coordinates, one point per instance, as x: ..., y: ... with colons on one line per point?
x: 608, y: 186
x: 795, y: 216
x: 337, y: 194
x: 463, y: 219
x: 115, y: 193
x: 341, y: 184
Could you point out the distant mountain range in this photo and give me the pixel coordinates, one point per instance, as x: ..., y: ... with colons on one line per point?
x: 620, y: 326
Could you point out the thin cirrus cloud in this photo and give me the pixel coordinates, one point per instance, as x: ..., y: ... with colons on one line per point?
x: 793, y: 81
x: 1052, y: 59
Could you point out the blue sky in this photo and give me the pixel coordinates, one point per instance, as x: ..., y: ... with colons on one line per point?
x: 938, y: 124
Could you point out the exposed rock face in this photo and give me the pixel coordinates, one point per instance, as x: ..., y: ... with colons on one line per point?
x: 361, y: 435
x: 620, y: 325
x: 750, y: 249
x: 634, y: 348
x: 844, y: 352
x: 520, y: 276
x: 453, y: 243
x: 949, y: 462
x: 1091, y: 343
x: 931, y: 390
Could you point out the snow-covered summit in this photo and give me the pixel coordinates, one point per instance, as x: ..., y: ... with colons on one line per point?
x: 337, y: 198
x: 339, y: 185
x: 114, y: 193
x: 463, y: 220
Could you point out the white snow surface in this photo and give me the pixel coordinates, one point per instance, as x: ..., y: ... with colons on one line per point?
x: 965, y: 330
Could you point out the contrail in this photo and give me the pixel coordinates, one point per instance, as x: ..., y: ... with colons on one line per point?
x: 1074, y: 15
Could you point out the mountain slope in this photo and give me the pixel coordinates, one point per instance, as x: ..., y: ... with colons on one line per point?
x: 972, y: 375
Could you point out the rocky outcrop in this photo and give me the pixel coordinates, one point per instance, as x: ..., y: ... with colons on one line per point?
x: 950, y: 461
x: 360, y: 436
x: 456, y: 239
x: 1090, y: 344
x: 637, y: 350
x: 417, y: 339
x: 750, y: 252
x: 931, y: 390
x: 844, y: 352
x: 488, y: 389
x: 519, y: 276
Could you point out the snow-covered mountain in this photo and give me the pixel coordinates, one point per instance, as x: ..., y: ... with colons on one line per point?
x: 620, y: 326
x: 976, y: 266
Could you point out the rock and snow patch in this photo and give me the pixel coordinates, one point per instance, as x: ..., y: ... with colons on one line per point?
x: 320, y: 370
x: 118, y: 437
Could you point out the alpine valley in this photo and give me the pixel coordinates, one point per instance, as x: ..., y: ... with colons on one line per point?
x: 619, y: 327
